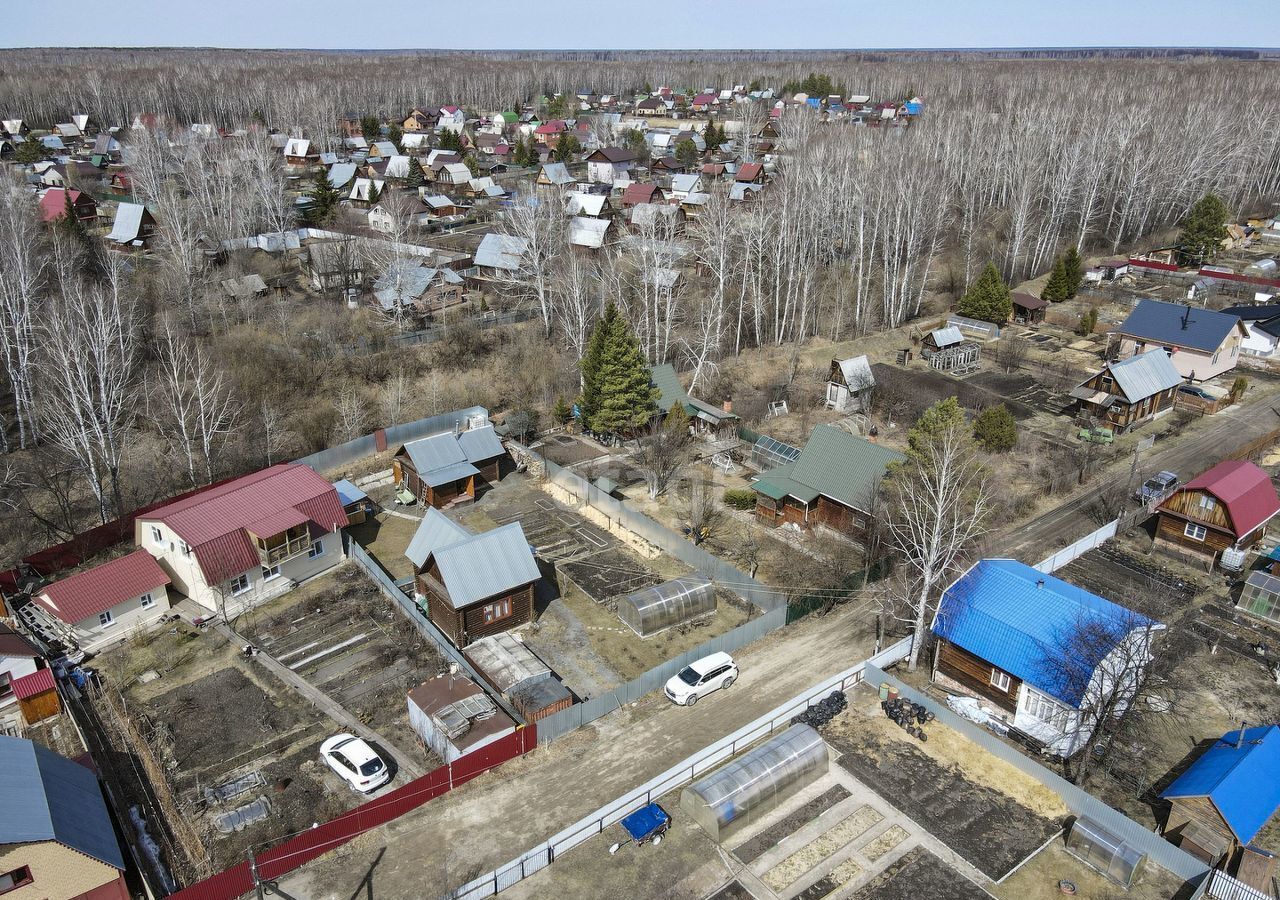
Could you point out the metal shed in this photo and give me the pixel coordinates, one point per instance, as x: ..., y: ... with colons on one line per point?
x: 759, y: 780
x: 1092, y: 844
x: 673, y: 602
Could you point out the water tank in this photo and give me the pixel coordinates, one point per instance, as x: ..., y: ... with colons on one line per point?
x: 478, y: 420
x: 1232, y: 559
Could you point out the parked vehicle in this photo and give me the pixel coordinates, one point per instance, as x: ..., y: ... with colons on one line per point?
x: 1199, y: 393
x: 700, y: 678
x: 355, y: 762
x: 1157, y: 487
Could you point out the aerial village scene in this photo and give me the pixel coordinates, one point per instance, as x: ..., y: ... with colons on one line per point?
x: 567, y: 473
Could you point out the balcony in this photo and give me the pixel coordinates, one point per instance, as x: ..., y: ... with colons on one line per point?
x: 285, y: 545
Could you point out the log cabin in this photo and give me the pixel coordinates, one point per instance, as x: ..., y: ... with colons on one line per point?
x: 1225, y: 798
x: 1226, y: 508
x: 1126, y: 393
x: 831, y: 483
x: 1011, y: 636
x: 472, y: 585
x: 450, y: 468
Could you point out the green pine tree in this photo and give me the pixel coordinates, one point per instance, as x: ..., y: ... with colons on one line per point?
x: 324, y: 199
x: 617, y: 392
x: 562, y: 412
x: 1074, y: 267
x: 687, y: 153
x: 395, y: 135
x: 1058, y: 287
x: 371, y: 128
x: 942, y: 416
x: 633, y: 140
x: 1203, y: 229
x: 995, y: 429
x: 450, y: 140
x: 988, y: 298
x: 415, y: 179
x: 30, y: 151
x: 566, y: 146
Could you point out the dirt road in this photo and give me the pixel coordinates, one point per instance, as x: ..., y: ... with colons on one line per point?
x: 494, y: 818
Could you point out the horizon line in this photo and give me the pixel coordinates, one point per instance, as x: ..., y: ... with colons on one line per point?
x: 987, y: 49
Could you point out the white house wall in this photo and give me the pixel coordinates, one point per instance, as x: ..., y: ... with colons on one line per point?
x: 127, y: 617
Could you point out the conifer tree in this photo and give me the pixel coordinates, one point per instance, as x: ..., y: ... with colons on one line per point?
x: 1203, y: 229
x: 324, y: 199
x: 1075, y: 270
x: 617, y: 392
x: 370, y: 127
x: 995, y: 429
x: 1057, y: 288
x: 988, y: 298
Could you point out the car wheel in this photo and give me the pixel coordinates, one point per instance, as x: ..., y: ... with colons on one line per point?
x: 693, y: 698
x: 728, y: 682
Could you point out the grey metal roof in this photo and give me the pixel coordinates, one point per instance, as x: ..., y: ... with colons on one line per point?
x: 402, y: 283
x: 487, y: 564
x: 48, y: 797
x: 449, y: 474
x: 1176, y: 324
x: 437, y: 530
x: 348, y: 493
x: 435, y: 452
x: 480, y: 444
x: 397, y: 167
x: 585, y: 231
x: 685, y: 183
x: 501, y: 251
x: 127, y: 224
x: 857, y: 371
x: 340, y: 174
x: 739, y: 190
x: 507, y: 663
x: 557, y: 173
x: 1145, y: 374
x: 945, y: 337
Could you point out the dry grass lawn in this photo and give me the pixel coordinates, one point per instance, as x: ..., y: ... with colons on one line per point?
x: 386, y: 537
x: 1038, y: 880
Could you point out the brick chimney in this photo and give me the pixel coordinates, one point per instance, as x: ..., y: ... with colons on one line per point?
x: 728, y: 404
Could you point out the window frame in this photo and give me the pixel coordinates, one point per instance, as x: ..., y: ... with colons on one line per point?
x: 17, y: 882
x: 1207, y: 503
x: 6, y: 685
x: 1195, y: 531
x: 146, y: 601
x: 496, y: 611
x: 999, y: 680
x: 244, y: 588
x: 270, y: 573
x: 106, y: 619
x: 157, y: 536
x: 316, y: 549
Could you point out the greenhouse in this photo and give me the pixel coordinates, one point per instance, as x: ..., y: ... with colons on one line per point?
x: 768, y: 453
x: 1095, y: 846
x: 674, y: 602
x: 1261, y: 596
x: 756, y: 782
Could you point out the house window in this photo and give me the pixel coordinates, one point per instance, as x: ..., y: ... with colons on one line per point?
x: 317, y: 549
x: 270, y: 572
x: 185, y: 548
x: 1000, y: 680
x: 105, y: 619
x: 1194, y: 531
x: 496, y: 612
x: 6, y: 689
x: 12, y: 880
x: 1207, y: 503
x: 1214, y: 361
x: 146, y: 601
x: 239, y: 584
x: 156, y: 536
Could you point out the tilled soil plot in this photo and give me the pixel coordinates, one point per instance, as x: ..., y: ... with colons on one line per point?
x: 919, y: 875
x: 776, y: 833
x: 732, y: 891
x: 224, y: 715
x: 989, y: 829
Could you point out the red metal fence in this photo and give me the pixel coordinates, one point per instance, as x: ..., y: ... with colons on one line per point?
x: 296, y: 851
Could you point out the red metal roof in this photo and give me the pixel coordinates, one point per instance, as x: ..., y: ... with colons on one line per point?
x: 88, y: 593
x: 216, y: 523
x: 749, y: 171
x: 555, y: 126
x: 14, y: 644
x: 638, y: 193
x: 1246, y: 490
x: 53, y: 205
x: 37, y: 682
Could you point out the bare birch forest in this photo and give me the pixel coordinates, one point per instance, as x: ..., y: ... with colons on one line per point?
x: 121, y: 384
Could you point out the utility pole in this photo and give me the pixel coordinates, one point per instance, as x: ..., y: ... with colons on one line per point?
x: 253, y: 872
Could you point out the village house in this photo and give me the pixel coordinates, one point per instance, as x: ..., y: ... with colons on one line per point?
x: 1027, y: 310
x: 750, y: 173
x: 588, y: 232
x: 1219, y: 513
x: 450, y: 468
x: 472, y: 585
x: 427, y: 289
x: 366, y: 191
x: 1022, y: 641
x: 1263, y: 326
x: 682, y: 186
x: 133, y: 228
x: 298, y: 153
x: 104, y: 605
x: 498, y: 256
x: 849, y: 384
x: 452, y: 118
x: 1224, y: 800
x: 1126, y: 393
x: 579, y: 203
x: 18, y: 659
x: 1203, y: 343
x: 57, y: 841
x: 246, y: 541
x: 718, y: 422
x: 833, y: 483
x: 637, y: 193
x: 421, y: 118
x: 608, y: 165
x: 54, y: 203
x: 555, y: 174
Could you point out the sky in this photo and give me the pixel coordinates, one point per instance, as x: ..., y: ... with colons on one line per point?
x: 669, y: 24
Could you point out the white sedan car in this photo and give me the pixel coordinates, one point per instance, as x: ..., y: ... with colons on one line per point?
x: 701, y: 678
x: 355, y: 762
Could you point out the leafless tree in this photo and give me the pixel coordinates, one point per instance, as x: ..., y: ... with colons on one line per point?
x: 664, y: 450
x: 196, y: 409
x: 23, y: 269
x: 543, y: 228
x: 350, y: 409
x: 1012, y: 350
x: 703, y: 513
x: 395, y: 397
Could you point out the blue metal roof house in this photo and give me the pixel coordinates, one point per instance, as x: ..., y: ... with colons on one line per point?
x: 1202, y: 343
x: 1037, y: 648
x: 55, y: 832
x: 1230, y: 792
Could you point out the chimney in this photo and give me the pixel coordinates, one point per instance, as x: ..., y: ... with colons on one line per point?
x: 728, y: 404
x: 1240, y: 739
x: 1039, y: 583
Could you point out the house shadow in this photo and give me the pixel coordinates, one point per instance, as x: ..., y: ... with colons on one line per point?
x: 547, y: 588
x: 1151, y: 797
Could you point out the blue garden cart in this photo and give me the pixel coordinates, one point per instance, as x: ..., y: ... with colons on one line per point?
x: 646, y: 824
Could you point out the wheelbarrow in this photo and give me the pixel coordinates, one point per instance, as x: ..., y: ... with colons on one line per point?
x: 646, y: 824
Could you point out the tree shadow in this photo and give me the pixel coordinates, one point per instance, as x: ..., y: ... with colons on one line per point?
x: 365, y: 887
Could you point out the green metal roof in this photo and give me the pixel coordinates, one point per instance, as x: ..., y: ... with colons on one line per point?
x: 833, y: 463
x: 670, y: 390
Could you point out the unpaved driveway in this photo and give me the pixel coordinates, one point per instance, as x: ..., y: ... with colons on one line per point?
x: 494, y: 818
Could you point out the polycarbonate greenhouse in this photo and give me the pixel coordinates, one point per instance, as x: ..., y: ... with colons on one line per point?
x: 1094, y: 845
x: 1261, y: 596
x: 756, y: 782
x: 768, y: 453
x: 673, y: 602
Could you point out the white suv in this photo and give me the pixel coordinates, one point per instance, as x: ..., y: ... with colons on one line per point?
x: 700, y: 678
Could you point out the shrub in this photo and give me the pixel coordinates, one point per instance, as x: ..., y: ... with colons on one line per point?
x: 740, y: 498
x: 995, y: 429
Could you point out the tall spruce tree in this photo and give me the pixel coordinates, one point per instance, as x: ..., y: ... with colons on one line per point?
x: 415, y: 178
x: 1074, y: 267
x: 370, y: 127
x: 1203, y: 229
x: 1058, y: 287
x: 988, y: 298
x: 324, y: 199
x: 617, y: 393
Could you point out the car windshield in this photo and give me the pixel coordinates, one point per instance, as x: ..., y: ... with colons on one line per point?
x: 372, y: 767
x: 689, y: 676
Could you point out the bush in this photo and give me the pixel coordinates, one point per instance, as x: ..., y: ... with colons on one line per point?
x: 740, y: 498
x: 995, y: 429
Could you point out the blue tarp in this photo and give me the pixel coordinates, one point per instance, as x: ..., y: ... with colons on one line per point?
x: 643, y: 823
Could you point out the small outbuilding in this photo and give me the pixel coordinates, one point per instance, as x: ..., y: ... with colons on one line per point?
x: 1028, y: 310
x: 849, y: 384
x: 354, y: 501
x: 506, y: 663
x: 454, y: 717
x: 662, y: 606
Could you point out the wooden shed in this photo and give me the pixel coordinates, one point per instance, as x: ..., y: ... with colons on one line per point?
x: 37, y: 696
